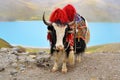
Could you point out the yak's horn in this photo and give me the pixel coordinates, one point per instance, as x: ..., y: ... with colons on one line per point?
x: 47, y: 23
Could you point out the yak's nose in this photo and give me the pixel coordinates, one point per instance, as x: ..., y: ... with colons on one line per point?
x: 59, y: 47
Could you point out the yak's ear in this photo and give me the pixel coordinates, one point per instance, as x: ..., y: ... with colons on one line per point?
x: 50, y: 27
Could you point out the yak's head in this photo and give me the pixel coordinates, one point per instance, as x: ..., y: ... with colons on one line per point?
x: 58, y: 32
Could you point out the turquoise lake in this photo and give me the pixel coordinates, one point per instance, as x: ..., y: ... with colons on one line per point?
x: 33, y: 33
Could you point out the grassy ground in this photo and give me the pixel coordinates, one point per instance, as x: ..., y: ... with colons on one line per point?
x: 5, y: 44
x: 107, y: 48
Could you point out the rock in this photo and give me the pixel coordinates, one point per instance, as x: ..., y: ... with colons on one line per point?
x: 15, y: 65
x: 41, y: 53
x: 22, y: 59
x: 42, y: 57
x: 15, y: 78
x: 43, y: 60
x: 13, y: 52
x: 13, y: 72
x: 2, y: 69
x: 45, y: 64
x: 4, y: 50
x: 22, y: 67
x: 32, y: 53
x: 15, y: 49
x: 19, y: 49
x: 32, y: 56
x: 30, y: 59
x: 23, y: 54
x: 7, y: 58
x: 12, y: 58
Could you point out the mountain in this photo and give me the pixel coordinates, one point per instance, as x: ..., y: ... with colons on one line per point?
x: 4, y: 43
x: 92, y: 10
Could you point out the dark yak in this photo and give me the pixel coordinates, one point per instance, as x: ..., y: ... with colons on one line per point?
x: 65, y: 36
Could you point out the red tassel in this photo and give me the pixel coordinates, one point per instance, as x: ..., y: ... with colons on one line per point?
x: 59, y: 14
x: 70, y: 11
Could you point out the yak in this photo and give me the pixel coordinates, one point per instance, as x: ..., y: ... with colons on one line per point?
x: 65, y: 41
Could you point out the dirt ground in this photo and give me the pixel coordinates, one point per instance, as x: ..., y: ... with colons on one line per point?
x: 97, y: 66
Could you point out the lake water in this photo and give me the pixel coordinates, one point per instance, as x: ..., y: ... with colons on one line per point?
x: 33, y: 33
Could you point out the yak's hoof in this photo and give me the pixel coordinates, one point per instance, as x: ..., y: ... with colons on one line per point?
x: 54, y: 69
x: 79, y: 59
x: 72, y: 64
x: 64, y: 71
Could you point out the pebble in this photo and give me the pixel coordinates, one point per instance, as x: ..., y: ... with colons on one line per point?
x: 32, y: 56
x: 3, y: 49
x: 22, y: 67
x: 13, y: 72
x: 30, y: 59
x: 2, y: 69
x: 23, y: 54
x: 22, y: 59
x: 15, y: 65
x: 43, y: 60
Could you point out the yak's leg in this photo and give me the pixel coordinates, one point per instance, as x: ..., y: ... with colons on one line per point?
x: 79, y: 57
x: 64, y: 66
x: 55, y: 67
x: 71, y: 57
